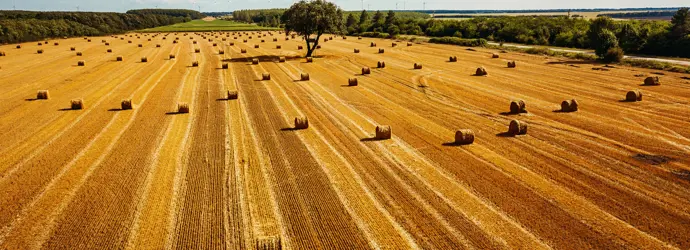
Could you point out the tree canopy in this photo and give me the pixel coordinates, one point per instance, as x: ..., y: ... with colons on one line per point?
x: 313, y: 18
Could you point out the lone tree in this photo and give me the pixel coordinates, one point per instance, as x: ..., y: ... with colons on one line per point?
x: 313, y: 18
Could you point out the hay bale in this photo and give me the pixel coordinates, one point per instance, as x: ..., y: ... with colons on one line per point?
x: 481, y: 71
x: 88, y: 40
x: 40, y: 44
x: 304, y: 76
x: 494, y: 55
x: 81, y: 63
x: 232, y: 95
x: 310, y: 59
x: 158, y: 45
x: 56, y: 43
x: 144, y: 59
x: 109, y: 51
x: 268, y: 243
x: 256, y: 46
x: 633, y: 96
x: 512, y: 64
x: 19, y: 46
x: 279, y: 47
x: 517, y: 128
x: 569, y: 106
x: 224, y: 66
x: 281, y: 59
x: 72, y: 48
x: 275, y: 39
x: 266, y: 76
x: 126, y: 104
x: 215, y: 45
x: 652, y: 81
x: 231, y: 44
x: 464, y: 137
x: 194, y: 42
x: 366, y: 71
x: 140, y: 45
x: 453, y: 59
x: 77, y: 104
x: 171, y: 57
x: 417, y: 66
x: 221, y: 52
x: 383, y: 132
x: 182, y: 108
x: 244, y: 41
x: 195, y: 64
x: 42, y: 95
x: 373, y: 44
x: 301, y: 123
x: 409, y: 44
x: 381, y: 51
x: 129, y: 41
x: 40, y: 51
x: 300, y: 47
x: 244, y: 51
x: 352, y: 82
x: 356, y: 51
x: 381, y: 64
x: 197, y: 50
x: 394, y: 45
x: 318, y: 46
x: 517, y: 107
x: 119, y: 58
x: 255, y: 61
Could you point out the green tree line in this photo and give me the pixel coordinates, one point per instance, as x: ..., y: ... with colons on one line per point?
x: 25, y: 26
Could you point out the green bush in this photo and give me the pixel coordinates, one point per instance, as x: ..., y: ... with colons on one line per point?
x: 459, y: 41
x: 614, y: 54
x: 375, y: 34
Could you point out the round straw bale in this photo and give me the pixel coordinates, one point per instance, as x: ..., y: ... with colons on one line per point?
x: 381, y: 64
x: 394, y: 44
x: 304, y: 76
x: 417, y: 66
x: 77, y: 104
x: 221, y: 52
x: 232, y: 95
x: 366, y: 71
x: 109, y: 51
x: 310, y: 59
x: 266, y: 76
x: 381, y: 51
x: 512, y: 64
x: 197, y: 50
x: 318, y: 46
x: 464, y: 137
x: 129, y: 41
x: 119, y: 58
x: 373, y: 44
x: 356, y: 50
x: 494, y: 55
x: 72, y: 48
x: 215, y: 45
x: 453, y: 59
x: 517, y: 128
x: 255, y: 61
x: 194, y: 42
x: 144, y: 59
x: 409, y: 44
x: 158, y: 45
x: 352, y: 82
x: 301, y: 123
x: 300, y: 47
x: 56, y: 43
x: 244, y: 51
x: 633, y: 96
x: 481, y: 71
x: 517, y: 107
x: 19, y: 46
x: 224, y: 65
x: 126, y: 104
x: 172, y: 56
x: 42, y: 95
x: 256, y: 46
x: 40, y: 51
x: 195, y: 64
x: 652, y: 81
x: 281, y: 59
x: 383, y: 132
x: 275, y: 39
x: 182, y: 108
x: 140, y: 45
x: 81, y: 63
x: 231, y: 44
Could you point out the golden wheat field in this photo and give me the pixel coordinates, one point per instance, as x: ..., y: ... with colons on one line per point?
x: 108, y: 158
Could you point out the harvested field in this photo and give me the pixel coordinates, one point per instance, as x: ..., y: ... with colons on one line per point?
x: 214, y: 150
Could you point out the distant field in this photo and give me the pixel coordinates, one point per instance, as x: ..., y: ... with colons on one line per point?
x: 589, y: 15
x: 215, y: 25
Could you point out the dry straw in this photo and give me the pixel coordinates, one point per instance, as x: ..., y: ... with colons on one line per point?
x: 42, y: 95
x: 119, y: 58
x: 652, y: 81
x: 464, y: 137
x: 381, y: 64
x: 281, y: 59
x: 304, y: 76
x: 633, y: 96
x: 126, y: 104
x: 310, y: 59
x: 232, y: 94
x: 381, y: 51
x: 481, y: 71
x: 77, y: 104
x: 266, y: 76
x: 373, y: 44
x: 352, y: 82
x: 417, y: 66
x: 255, y: 61
x: 383, y: 132
x: 144, y: 59
x: 224, y: 65
x: 512, y: 64
x: 195, y: 64
x: 517, y: 128
x: 569, y: 105
x: 81, y: 63
x: 494, y: 55
x: 453, y: 59
x: 182, y: 108
x: 366, y: 71
x: 301, y: 123
x: 356, y: 51
x: 517, y: 107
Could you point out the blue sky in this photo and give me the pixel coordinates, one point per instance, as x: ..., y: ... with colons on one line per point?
x: 228, y: 5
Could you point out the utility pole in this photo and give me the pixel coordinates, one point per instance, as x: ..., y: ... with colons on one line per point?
x: 424, y: 6
x: 362, y: 4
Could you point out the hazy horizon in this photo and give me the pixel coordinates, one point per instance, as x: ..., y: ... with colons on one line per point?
x: 225, y: 5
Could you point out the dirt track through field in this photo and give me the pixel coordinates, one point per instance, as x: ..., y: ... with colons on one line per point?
x: 237, y: 174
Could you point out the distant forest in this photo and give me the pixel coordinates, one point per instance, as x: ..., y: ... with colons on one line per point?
x: 539, y: 11
x: 640, y: 14
x: 25, y: 26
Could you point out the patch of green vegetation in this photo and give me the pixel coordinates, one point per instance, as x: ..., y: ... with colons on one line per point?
x: 215, y: 25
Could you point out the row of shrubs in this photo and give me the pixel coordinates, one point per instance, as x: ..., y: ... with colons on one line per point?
x: 459, y: 41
